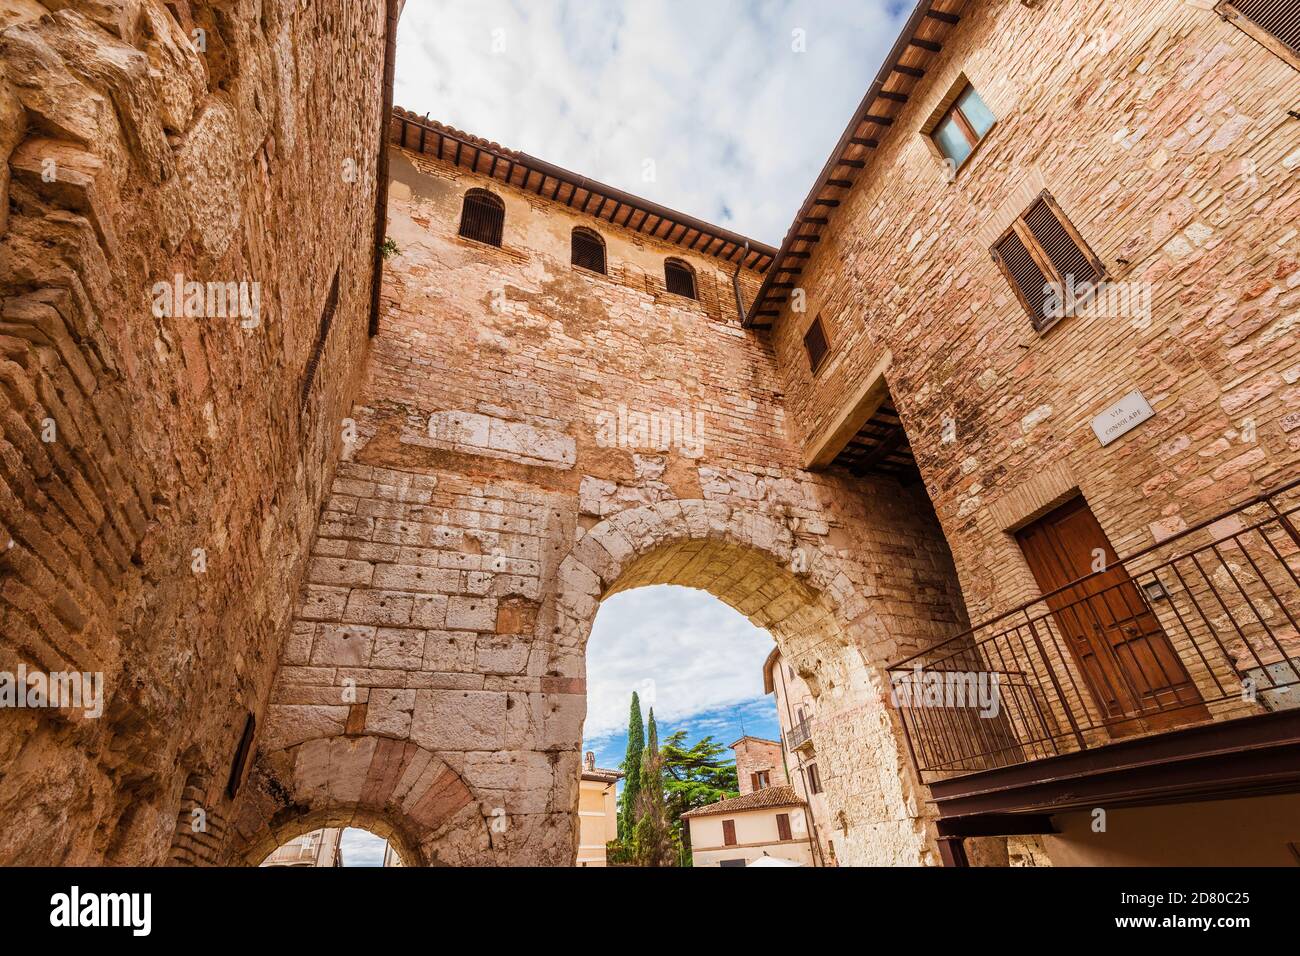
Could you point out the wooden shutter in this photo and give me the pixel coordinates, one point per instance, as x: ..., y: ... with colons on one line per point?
x: 783, y: 826
x: 1061, y: 244
x: 815, y: 344
x: 1274, y: 23
x: 814, y: 781
x: 482, y: 217
x: 753, y: 782
x: 728, y: 832
x: 1042, y: 251
x: 588, y: 250
x: 678, y: 278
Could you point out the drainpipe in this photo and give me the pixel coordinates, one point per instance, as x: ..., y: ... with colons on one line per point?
x: 393, y: 11
x: 813, y: 844
x: 735, y: 284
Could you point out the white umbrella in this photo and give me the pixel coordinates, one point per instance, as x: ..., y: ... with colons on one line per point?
x: 774, y: 861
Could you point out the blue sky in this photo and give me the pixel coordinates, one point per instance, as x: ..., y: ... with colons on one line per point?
x: 694, y: 659
x: 736, y: 103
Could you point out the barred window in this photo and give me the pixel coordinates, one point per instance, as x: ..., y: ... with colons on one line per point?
x: 679, y: 278
x: 482, y: 217
x: 588, y: 250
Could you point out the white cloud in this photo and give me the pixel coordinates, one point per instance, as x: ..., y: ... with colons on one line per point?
x: 682, y: 650
x: 362, y: 848
x: 736, y: 122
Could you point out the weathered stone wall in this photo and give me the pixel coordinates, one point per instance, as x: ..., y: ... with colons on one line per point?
x: 136, y: 149
x: 487, y: 506
x: 1164, y: 134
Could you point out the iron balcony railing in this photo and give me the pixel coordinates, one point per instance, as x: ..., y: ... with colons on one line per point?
x: 1199, y: 627
x: 800, y: 735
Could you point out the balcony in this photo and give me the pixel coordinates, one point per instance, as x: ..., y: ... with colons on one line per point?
x: 1179, y: 659
x: 800, y: 735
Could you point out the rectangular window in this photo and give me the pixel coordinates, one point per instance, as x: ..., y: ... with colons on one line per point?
x: 731, y: 863
x: 962, y: 127
x: 1273, y: 23
x: 728, y: 832
x: 783, y: 826
x: 816, y: 345
x: 814, y: 780
x: 1049, y: 266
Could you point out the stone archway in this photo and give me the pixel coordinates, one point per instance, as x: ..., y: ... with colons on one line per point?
x: 814, y: 604
x: 396, y: 789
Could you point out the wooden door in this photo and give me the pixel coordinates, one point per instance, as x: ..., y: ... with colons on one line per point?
x: 1132, y: 671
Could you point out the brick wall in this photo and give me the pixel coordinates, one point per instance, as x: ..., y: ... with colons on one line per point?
x: 753, y: 756
x: 158, y: 479
x: 1164, y: 134
x: 486, y: 506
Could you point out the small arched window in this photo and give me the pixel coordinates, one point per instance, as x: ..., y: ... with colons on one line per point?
x: 678, y: 278
x: 588, y: 250
x: 482, y: 217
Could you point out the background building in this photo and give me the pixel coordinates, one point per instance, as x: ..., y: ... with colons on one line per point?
x: 759, y: 764
x: 796, y: 712
x: 317, y: 848
x: 736, y: 832
x: 597, y: 811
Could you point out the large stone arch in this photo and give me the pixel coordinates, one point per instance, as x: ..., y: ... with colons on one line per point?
x: 396, y: 789
x: 817, y: 605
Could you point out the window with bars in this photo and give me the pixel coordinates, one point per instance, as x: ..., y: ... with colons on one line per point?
x: 1049, y: 266
x: 482, y: 217
x: 588, y: 250
x: 326, y: 320
x: 1273, y: 23
x: 678, y: 278
x: 816, y: 344
x: 962, y: 127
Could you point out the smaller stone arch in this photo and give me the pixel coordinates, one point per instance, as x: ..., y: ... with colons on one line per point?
x: 396, y: 789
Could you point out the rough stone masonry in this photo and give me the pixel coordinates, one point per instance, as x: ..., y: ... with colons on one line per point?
x: 333, y: 580
x: 530, y: 437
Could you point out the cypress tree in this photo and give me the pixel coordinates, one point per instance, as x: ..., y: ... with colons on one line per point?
x: 652, y: 838
x: 632, y: 771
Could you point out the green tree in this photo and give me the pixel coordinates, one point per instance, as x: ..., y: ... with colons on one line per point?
x: 652, y: 837
x: 694, y: 776
x: 631, y: 772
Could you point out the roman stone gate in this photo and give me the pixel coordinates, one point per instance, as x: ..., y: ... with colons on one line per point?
x: 531, y: 436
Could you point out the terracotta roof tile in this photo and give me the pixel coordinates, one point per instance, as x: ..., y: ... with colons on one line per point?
x: 758, y: 800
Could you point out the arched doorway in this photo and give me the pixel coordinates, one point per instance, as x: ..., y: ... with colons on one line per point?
x: 396, y: 790
x: 804, y: 596
x: 350, y: 846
